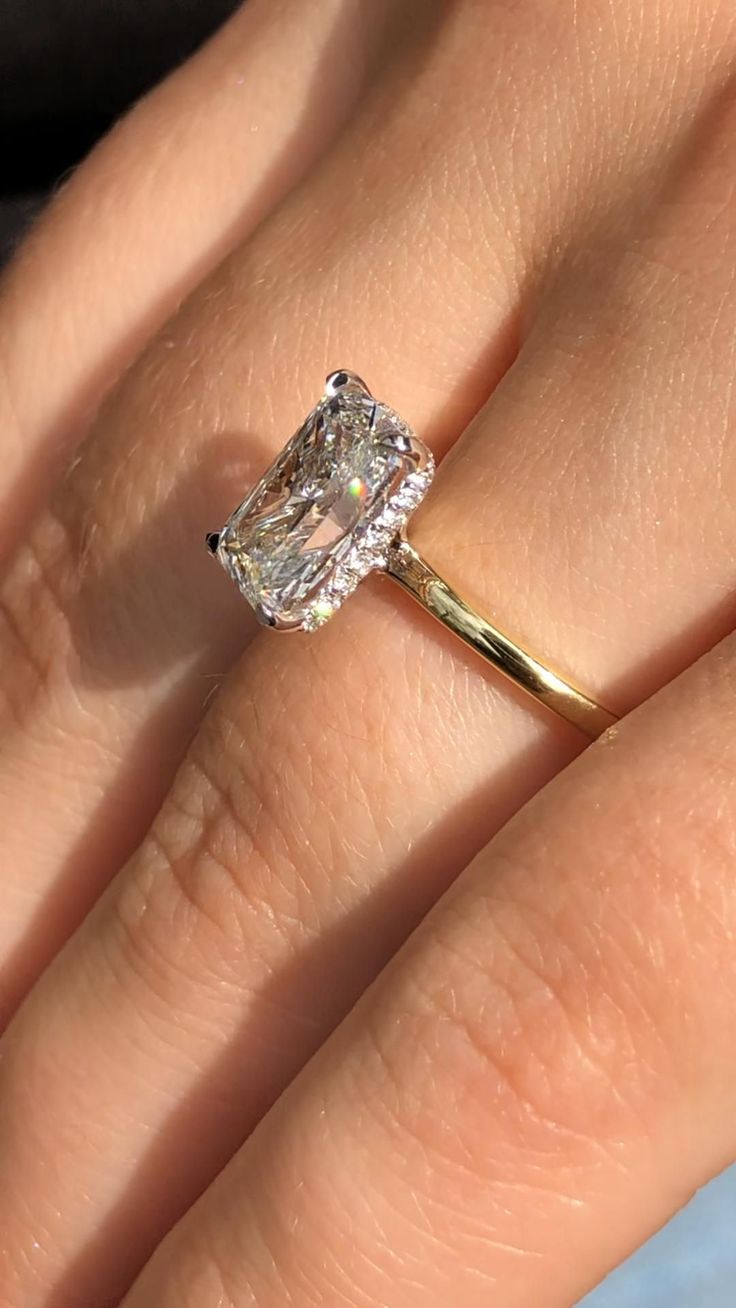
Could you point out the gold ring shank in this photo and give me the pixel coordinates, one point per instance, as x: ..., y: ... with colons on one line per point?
x: 409, y: 569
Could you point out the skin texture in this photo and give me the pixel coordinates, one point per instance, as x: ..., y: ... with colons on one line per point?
x: 187, y: 174
x: 521, y: 1068
x: 519, y: 227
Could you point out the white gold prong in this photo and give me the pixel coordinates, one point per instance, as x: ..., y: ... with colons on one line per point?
x: 333, y: 507
x: 297, y: 544
x: 342, y: 380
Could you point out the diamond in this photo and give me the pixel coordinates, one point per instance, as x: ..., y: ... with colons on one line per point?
x: 325, y: 513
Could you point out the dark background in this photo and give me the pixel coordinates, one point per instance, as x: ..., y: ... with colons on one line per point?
x: 68, y: 69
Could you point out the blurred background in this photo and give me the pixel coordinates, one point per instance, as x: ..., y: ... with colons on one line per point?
x: 68, y: 69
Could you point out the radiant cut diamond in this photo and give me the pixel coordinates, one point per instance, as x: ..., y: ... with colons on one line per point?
x: 326, y: 512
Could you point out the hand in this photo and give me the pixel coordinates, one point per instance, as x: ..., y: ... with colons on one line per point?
x: 516, y: 220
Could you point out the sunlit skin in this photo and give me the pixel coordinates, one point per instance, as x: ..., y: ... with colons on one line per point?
x: 326, y: 979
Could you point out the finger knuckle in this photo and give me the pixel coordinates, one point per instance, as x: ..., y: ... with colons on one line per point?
x: 217, y: 875
x: 518, y: 1050
x: 191, y: 1274
x: 35, y: 630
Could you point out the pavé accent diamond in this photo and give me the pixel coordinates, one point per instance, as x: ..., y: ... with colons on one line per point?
x: 326, y: 512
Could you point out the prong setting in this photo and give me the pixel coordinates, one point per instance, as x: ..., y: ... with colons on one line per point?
x: 341, y: 380
x: 327, y: 511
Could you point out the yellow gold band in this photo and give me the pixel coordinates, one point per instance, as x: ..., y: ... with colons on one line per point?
x: 409, y: 569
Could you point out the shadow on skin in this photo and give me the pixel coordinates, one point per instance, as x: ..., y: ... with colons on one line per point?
x: 182, y: 664
x: 284, y: 1023
x: 288, y: 164
x: 192, y: 640
x: 326, y: 976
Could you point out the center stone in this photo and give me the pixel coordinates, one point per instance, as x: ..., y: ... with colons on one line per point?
x: 326, y: 511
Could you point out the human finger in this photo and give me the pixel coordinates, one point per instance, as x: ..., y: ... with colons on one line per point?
x: 122, y: 536
x: 540, y: 1079
x: 179, y: 182
x: 287, y: 892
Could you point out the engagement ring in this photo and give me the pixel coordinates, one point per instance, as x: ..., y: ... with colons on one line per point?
x: 334, y: 507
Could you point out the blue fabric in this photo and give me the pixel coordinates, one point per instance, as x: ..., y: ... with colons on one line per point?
x: 690, y: 1263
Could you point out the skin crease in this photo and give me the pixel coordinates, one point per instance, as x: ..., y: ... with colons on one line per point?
x: 540, y: 1077
x: 129, y: 694
x: 276, y: 883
